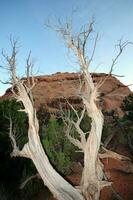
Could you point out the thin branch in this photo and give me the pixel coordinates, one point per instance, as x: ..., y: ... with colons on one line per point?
x: 12, y: 137
x: 73, y: 109
x: 5, y: 82
x: 68, y: 121
x: 16, y: 151
x: 30, y: 79
x: 111, y: 154
x: 29, y: 179
x: 86, y: 36
x: 94, y: 49
x: 28, y: 68
x: 74, y: 141
x: 121, y: 46
x: 118, y: 75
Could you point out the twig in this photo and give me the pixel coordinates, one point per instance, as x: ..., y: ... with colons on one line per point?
x: 29, y: 179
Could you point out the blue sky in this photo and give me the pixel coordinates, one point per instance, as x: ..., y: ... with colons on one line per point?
x: 24, y: 19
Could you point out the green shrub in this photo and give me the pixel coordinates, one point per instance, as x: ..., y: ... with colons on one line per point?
x: 58, y: 148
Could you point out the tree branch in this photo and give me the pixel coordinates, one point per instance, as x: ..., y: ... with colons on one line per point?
x: 29, y: 179
x: 111, y: 154
x: 16, y: 151
x: 121, y: 46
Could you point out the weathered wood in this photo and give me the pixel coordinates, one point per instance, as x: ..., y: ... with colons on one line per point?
x: 59, y: 187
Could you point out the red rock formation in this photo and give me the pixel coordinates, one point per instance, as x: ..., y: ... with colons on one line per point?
x: 51, y: 90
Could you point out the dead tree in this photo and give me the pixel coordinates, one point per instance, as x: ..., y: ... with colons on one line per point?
x: 33, y: 149
x: 92, y: 180
x: 92, y: 176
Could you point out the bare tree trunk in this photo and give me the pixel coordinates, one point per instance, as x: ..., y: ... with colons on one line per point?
x: 92, y: 173
x: 92, y: 176
x: 60, y: 188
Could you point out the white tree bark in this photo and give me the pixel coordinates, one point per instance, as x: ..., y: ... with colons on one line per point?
x: 59, y: 187
x: 92, y: 175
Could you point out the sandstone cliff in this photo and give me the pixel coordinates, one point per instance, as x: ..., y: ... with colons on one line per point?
x: 52, y: 90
